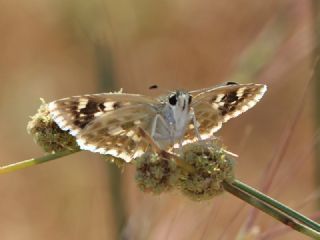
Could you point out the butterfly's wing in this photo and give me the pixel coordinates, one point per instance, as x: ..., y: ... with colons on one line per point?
x: 118, y: 133
x: 215, y: 106
x: 106, y: 123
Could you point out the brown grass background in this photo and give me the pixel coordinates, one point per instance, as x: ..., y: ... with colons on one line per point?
x: 55, y: 49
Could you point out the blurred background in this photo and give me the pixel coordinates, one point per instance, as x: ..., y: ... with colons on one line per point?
x: 54, y: 49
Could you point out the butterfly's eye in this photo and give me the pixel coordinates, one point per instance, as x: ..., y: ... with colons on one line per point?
x: 173, y: 100
x: 190, y: 99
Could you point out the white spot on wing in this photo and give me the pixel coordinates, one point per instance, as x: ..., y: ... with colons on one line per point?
x: 215, y: 106
x: 236, y: 113
x: 115, y: 131
x: 226, y: 118
x: 240, y: 92
x: 82, y: 103
x: 81, y: 142
x: 138, y: 153
x: 137, y: 122
x: 52, y: 106
x: 244, y: 108
x: 136, y: 138
x: 108, y: 106
x: 251, y: 103
x: 219, y: 97
x: 59, y: 120
x: 130, y: 133
x: 112, y: 152
x: 125, y: 156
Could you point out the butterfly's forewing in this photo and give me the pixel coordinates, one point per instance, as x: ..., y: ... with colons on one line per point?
x: 218, y: 105
x: 95, y: 120
x: 75, y: 113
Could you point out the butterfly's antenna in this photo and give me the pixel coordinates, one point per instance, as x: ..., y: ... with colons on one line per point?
x: 155, y: 86
x: 200, y: 90
x: 208, y: 88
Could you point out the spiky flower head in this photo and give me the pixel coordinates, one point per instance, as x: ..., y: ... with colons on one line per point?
x: 47, y: 134
x: 155, y: 173
x: 198, y: 172
x: 212, y: 166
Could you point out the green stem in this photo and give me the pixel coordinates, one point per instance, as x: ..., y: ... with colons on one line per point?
x: 277, y: 205
x: 34, y: 161
x: 263, y: 206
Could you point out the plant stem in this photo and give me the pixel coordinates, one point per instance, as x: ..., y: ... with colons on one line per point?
x: 276, y: 204
x: 250, y: 195
x: 34, y: 161
x: 316, y: 82
x: 273, y: 208
x: 105, y: 70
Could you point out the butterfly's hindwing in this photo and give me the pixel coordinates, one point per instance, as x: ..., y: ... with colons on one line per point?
x: 118, y: 134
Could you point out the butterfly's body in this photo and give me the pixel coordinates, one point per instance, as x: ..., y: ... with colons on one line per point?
x: 174, y: 115
x: 108, y: 123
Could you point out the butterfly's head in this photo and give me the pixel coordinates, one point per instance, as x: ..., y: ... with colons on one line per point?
x: 180, y: 99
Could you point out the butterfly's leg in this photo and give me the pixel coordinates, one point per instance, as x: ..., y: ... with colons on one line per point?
x: 149, y: 139
x: 154, y: 126
x: 157, y: 118
x: 195, y: 124
x: 180, y: 147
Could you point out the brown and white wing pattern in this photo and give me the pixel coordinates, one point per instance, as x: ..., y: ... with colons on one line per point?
x: 106, y: 123
x: 215, y: 106
x: 118, y: 134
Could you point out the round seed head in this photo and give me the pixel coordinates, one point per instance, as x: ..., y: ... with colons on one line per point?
x: 212, y: 165
x: 47, y: 134
x: 155, y: 173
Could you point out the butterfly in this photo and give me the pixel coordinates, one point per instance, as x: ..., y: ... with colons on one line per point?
x: 109, y: 123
